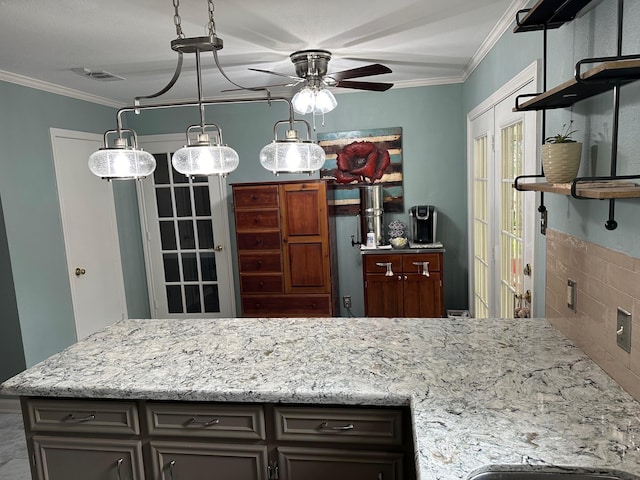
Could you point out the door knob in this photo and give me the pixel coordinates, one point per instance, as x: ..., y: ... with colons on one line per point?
x: 218, y: 248
x: 80, y: 271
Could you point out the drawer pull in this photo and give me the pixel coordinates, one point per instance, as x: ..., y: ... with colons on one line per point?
x: 72, y: 418
x: 193, y: 422
x: 326, y: 426
x: 256, y: 219
x: 425, y: 268
x: 389, y: 272
x: 119, y: 467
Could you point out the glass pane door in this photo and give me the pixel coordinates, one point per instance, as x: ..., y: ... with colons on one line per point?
x: 511, y: 219
x: 187, y: 232
x: 480, y: 227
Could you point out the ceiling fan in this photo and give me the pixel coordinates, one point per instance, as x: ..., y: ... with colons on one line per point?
x: 311, y: 68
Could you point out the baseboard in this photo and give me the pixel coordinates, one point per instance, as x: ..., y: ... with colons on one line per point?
x: 10, y: 405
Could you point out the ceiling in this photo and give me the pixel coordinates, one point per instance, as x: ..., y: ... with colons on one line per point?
x: 424, y: 42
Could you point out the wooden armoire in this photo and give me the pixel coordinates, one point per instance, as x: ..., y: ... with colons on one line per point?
x: 285, y: 236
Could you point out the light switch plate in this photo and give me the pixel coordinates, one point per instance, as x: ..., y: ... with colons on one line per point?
x: 623, y: 330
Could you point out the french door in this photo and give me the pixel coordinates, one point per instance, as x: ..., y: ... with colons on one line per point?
x: 186, y: 231
x: 502, y: 145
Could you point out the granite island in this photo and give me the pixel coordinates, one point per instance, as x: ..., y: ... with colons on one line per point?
x: 481, y: 392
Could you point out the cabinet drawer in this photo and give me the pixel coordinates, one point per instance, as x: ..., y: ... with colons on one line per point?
x: 255, y: 196
x: 258, y: 220
x: 362, y: 426
x: 413, y: 263
x: 261, y: 283
x: 377, y: 263
x: 206, y: 420
x: 93, y: 416
x: 259, y: 241
x: 260, y: 262
x: 286, y: 305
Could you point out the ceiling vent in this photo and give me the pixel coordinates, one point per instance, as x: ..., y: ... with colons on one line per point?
x: 99, y: 75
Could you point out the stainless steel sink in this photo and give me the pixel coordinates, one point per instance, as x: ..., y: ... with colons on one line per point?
x: 520, y: 472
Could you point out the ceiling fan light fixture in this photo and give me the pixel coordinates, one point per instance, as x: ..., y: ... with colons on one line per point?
x: 121, y: 162
x: 205, y: 158
x: 314, y: 100
x: 292, y: 155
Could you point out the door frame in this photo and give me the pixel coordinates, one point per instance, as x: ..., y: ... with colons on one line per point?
x: 56, y: 133
x: 528, y: 75
x: 227, y: 262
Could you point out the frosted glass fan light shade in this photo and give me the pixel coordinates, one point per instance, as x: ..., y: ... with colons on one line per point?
x: 325, y: 102
x: 194, y: 160
x: 292, y: 157
x: 121, y: 163
x: 312, y: 100
x: 304, y: 101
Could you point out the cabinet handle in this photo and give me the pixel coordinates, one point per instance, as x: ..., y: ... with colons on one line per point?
x: 256, y: 219
x: 72, y: 418
x: 259, y: 263
x: 258, y: 241
x: 425, y: 268
x: 389, y: 272
x: 254, y: 197
x: 326, y: 426
x: 380, y: 476
x: 118, y: 467
x: 314, y: 305
x: 172, y: 464
x: 193, y: 421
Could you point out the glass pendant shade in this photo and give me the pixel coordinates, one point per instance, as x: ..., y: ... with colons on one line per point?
x: 121, y: 163
x: 282, y: 156
x: 192, y: 160
x: 313, y: 100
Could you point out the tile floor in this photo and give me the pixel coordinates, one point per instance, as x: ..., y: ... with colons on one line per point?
x: 14, y: 463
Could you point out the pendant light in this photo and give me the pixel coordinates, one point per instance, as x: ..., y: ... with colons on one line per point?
x: 205, y: 158
x: 121, y: 161
x: 292, y: 155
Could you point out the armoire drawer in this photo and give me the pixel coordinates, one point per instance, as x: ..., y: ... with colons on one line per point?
x: 258, y: 220
x: 260, y: 262
x: 286, y: 305
x: 261, y: 283
x: 259, y: 241
x: 255, y: 196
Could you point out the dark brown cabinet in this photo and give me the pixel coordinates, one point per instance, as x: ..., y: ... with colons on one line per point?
x: 285, y: 242
x: 403, y: 285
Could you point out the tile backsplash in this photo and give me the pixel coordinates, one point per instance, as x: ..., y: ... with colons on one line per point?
x: 605, y: 280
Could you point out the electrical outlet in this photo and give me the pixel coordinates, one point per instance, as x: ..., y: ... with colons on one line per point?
x: 346, y: 301
x: 623, y: 330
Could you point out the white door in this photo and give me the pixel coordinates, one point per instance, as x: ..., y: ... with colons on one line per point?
x: 90, y: 233
x: 187, y: 245
x: 502, y: 145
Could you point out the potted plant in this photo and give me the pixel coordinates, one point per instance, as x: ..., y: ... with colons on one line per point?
x: 561, y: 156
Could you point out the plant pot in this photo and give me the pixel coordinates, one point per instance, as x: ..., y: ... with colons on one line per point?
x: 561, y: 161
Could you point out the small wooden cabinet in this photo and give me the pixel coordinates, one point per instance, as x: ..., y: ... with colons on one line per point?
x: 285, y: 240
x: 158, y: 440
x: 403, y: 284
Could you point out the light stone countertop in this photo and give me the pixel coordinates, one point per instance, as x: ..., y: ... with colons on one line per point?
x: 482, y: 392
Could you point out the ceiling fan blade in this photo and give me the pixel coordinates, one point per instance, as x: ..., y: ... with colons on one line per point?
x: 276, y: 73
x: 373, y: 86
x: 366, y: 71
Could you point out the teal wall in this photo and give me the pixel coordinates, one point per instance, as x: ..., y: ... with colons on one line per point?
x: 433, y: 154
x: 32, y: 217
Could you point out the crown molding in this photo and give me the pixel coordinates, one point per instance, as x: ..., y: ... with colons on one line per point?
x: 57, y: 89
x: 503, y: 24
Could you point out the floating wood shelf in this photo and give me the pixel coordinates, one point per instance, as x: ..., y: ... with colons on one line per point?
x: 597, y: 80
x: 596, y: 190
x: 549, y: 13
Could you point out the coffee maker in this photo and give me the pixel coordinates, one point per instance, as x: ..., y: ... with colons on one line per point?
x: 423, y: 219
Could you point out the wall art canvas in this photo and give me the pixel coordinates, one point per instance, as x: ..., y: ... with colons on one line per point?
x: 364, y: 157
